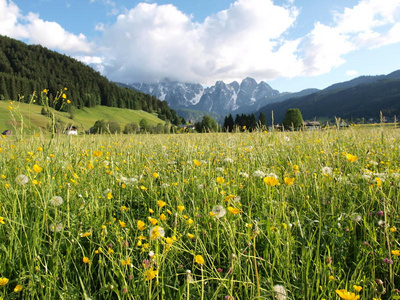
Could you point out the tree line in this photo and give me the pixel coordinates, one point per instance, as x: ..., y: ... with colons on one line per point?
x: 25, y: 69
x: 244, y: 122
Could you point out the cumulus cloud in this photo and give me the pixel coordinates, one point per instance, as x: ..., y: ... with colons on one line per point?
x: 151, y: 42
x: 37, y: 31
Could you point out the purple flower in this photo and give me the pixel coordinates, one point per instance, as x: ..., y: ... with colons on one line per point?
x: 219, y: 270
x: 380, y: 213
x: 388, y: 261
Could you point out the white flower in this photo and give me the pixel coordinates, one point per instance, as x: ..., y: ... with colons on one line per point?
x: 106, y: 163
x: 218, y: 211
x: 129, y: 181
x: 286, y: 138
x: 272, y: 175
x: 259, y: 173
x: 280, y: 292
x: 219, y: 169
x: 56, y: 201
x: 57, y: 227
x: 165, y: 185
x: 157, y: 232
x: 244, y: 174
x: 229, y: 160
x: 356, y: 217
x: 327, y: 170
x: 22, y: 179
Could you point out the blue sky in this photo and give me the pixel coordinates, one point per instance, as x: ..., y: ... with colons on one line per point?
x: 290, y: 44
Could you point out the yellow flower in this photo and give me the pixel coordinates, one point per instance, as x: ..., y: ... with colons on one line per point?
x: 45, y: 91
x: 190, y: 221
x: 344, y: 294
x: 393, y: 229
x: 161, y: 203
x: 122, y: 224
x: 140, y: 225
x: 156, y: 232
x: 18, y: 288
x: 3, y: 281
x: 351, y: 158
x: 2, y: 220
x: 126, y: 262
x: 143, y: 188
x: 357, y: 288
x: 37, y: 168
x: 64, y: 96
x: 151, y: 211
x: 124, y: 208
x: 220, y: 180
x: 153, y: 221
x: 198, y: 259
x: 331, y: 278
x: 109, y: 196
x: 86, y: 260
x: 190, y: 236
x: 169, y: 240
x: 288, y: 180
x: 271, y: 181
x: 150, y: 274
x: 163, y: 217
x: 197, y: 163
x: 396, y: 252
x: 233, y: 210
x: 295, y: 167
x: 85, y: 234
x: 69, y: 101
x: 181, y: 207
x: 97, y: 153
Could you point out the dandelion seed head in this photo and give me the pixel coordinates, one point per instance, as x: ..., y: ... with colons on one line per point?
x: 56, y: 201
x: 218, y: 211
x: 22, y: 179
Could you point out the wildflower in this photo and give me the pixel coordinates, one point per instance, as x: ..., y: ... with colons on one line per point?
x: 190, y: 236
x: 161, y: 203
x: 387, y: 261
x: 2, y: 220
x: 344, y: 294
x: 153, y: 221
x: 163, y: 217
x: 295, y: 168
x: 380, y: 213
x: 151, y: 211
x: 357, y: 288
x: 356, y: 217
x: 56, y: 201
x: 126, y: 262
x: 233, y: 210
x: 124, y: 208
x: 244, y: 174
x: 155, y: 175
x: 271, y: 181
x: 109, y: 196
x: 393, y: 229
x: 218, y: 211
x: 396, y: 252
x: 157, y: 232
x: 141, y: 225
x: 3, y: 281
x: 150, y: 274
x: 122, y: 224
x: 22, y: 179
x: 280, y: 292
x: 197, y: 163
x: 18, y: 288
x: 327, y: 171
x: 56, y: 227
x: 259, y: 174
x: 37, y: 168
x: 143, y: 188
x: 190, y: 221
x: 220, y: 180
x: 86, y: 260
x: 198, y: 259
x: 288, y: 180
x: 331, y: 278
x: 64, y: 96
x: 181, y: 207
x: 351, y: 158
x: 45, y: 91
x: 169, y: 240
x: 86, y: 234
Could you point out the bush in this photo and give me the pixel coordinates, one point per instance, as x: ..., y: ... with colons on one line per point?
x: 131, y: 128
x: 102, y: 126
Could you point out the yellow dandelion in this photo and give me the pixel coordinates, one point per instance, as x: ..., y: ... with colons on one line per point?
x: 37, y: 168
x: 271, y: 181
x: 181, y: 207
x: 234, y: 210
x: 161, y: 203
x: 198, y: 259
x: 288, y: 180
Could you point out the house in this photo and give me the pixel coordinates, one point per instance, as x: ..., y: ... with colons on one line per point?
x: 72, y: 130
x: 312, y: 125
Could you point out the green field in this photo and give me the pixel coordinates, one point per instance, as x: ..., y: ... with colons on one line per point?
x: 298, y: 215
x: 84, y: 118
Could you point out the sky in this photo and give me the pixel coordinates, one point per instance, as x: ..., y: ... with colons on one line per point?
x: 290, y: 44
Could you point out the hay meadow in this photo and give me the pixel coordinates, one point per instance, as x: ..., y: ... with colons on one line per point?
x: 262, y: 215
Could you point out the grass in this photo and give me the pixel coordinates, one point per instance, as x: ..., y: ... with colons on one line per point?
x: 298, y: 215
x: 83, y: 118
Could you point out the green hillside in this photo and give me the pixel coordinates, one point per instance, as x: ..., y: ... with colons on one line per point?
x: 84, y: 118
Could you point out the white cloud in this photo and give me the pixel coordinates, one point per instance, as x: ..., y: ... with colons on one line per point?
x: 37, y: 31
x: 351, y: 73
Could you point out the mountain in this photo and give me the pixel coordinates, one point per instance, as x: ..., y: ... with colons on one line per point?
x: 25, y: 69
x: 363, y: 97
x: 220, y: 98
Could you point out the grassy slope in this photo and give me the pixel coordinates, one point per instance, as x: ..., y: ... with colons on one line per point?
x: 84, y: 118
